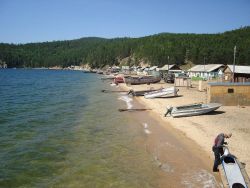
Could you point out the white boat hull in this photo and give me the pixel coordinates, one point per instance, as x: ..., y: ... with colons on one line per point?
x: 232, y: 171
x: 161, y: 93
x: 206, y: 108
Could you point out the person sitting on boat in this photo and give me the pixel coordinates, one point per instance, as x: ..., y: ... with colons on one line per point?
x: 218, y: 149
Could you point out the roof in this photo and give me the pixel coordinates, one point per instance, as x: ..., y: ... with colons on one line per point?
x: 229, y: 83
x: 240, y: 69
x: 205, y: 68
x: 152, y: 68
x: 165, y: 67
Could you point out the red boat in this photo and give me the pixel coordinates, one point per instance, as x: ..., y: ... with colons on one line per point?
x: 118, y: 79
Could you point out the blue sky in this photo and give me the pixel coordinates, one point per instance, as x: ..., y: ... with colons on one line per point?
x: 23, y: 21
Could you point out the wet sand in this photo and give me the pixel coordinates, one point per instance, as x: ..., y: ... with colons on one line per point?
x: 202, y: 129
x: 181, y: 161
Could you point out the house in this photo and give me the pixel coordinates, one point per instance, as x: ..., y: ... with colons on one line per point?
x: 241, y: 73
x: 142, y: 71
x: 3, y: 65
x: 206, y: 71
x: 125, y: 69
x: 171, y: 68
x: 153, y: 71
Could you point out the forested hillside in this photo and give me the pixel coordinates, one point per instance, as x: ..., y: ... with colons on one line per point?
x: 155, y: 49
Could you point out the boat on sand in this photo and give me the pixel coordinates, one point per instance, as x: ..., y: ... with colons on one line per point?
x: 139, y: 93
x: 135, y: 80
x: 192, y: 109
x: 233, y: 173
x: 161, y: 93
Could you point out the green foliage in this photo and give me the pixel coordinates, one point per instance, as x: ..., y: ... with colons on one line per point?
x: 155, y: 49
x: 197, y: 78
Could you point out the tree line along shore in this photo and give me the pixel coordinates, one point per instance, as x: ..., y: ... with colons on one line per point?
x: 156, y: 50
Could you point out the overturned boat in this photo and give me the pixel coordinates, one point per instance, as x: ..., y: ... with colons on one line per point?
x: 161, y: 93
x: 233, y: 173
x: 135, y: 80
x: 192, y: 109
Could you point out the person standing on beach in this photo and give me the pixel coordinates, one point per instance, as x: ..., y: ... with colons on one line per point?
x: 218, y: 149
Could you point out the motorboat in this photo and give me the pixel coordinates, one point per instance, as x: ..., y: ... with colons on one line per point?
x: 161, y: 93
x: 192, y: 109
x: 140, y: 92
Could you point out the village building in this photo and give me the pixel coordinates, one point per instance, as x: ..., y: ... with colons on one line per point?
x: 229, y: 94
x: 3, y: 65
x: 206, y: 71
x: 173, y: 68
x: 240, y: 73
x: 153, y: 71
x: 125, y: 69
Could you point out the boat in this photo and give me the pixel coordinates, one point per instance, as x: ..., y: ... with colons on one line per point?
x: 118, y: 79
x: 233, y: 173
x: 108, y: 77
x: 139, y: 93
x: 192, y: 109
x: 161, y: 92
x: 99, y: 72
x: 135, y: 80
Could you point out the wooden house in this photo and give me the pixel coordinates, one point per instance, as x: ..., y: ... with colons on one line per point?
x: 206, y: 71
x: 171, y: 68
x: 241, y: 73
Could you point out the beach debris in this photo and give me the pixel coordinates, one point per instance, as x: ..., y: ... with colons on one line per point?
x: 112, y: 91
x: 133, y: 109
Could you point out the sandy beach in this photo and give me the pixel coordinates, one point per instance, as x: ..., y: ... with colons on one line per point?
x: 202, y: 129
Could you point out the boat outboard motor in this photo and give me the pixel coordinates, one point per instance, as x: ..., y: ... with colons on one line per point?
x: 169, y: 110
x: 232, y: 170
x: 131, y: 92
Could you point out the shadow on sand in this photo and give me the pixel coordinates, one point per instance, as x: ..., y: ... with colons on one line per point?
x: 169, y: 97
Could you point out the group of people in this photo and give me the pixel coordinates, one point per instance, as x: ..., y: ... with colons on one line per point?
x: 217, y: 148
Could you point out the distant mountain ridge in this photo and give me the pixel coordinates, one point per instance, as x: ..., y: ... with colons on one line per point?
x: 158, y: 49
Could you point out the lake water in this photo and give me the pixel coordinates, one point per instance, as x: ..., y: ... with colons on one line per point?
x: 57, y: 129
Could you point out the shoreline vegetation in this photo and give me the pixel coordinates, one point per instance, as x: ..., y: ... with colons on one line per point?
x: 94, y: 52
x: 202, y: 129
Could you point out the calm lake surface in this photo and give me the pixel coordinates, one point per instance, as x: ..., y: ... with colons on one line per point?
x: 57, y: 129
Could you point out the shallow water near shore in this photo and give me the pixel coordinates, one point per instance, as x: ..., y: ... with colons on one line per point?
x: 57, y: 129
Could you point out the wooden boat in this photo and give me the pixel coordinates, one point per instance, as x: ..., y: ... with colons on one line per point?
x: 233, y: 173
x: 142, y: 80
x: 139, y: 93
x: 192, y: 109
x: 161, y: 93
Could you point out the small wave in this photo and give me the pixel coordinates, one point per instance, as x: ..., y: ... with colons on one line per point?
x: 164, y: 166
x: 201, y: 177
x: 145, y: 125
x: 128, y: 101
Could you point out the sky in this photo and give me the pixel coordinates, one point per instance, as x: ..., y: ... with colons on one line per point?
x: 25, y: 21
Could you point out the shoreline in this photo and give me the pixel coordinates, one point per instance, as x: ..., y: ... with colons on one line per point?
x: 202, y: 129
x: 180, y: 160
